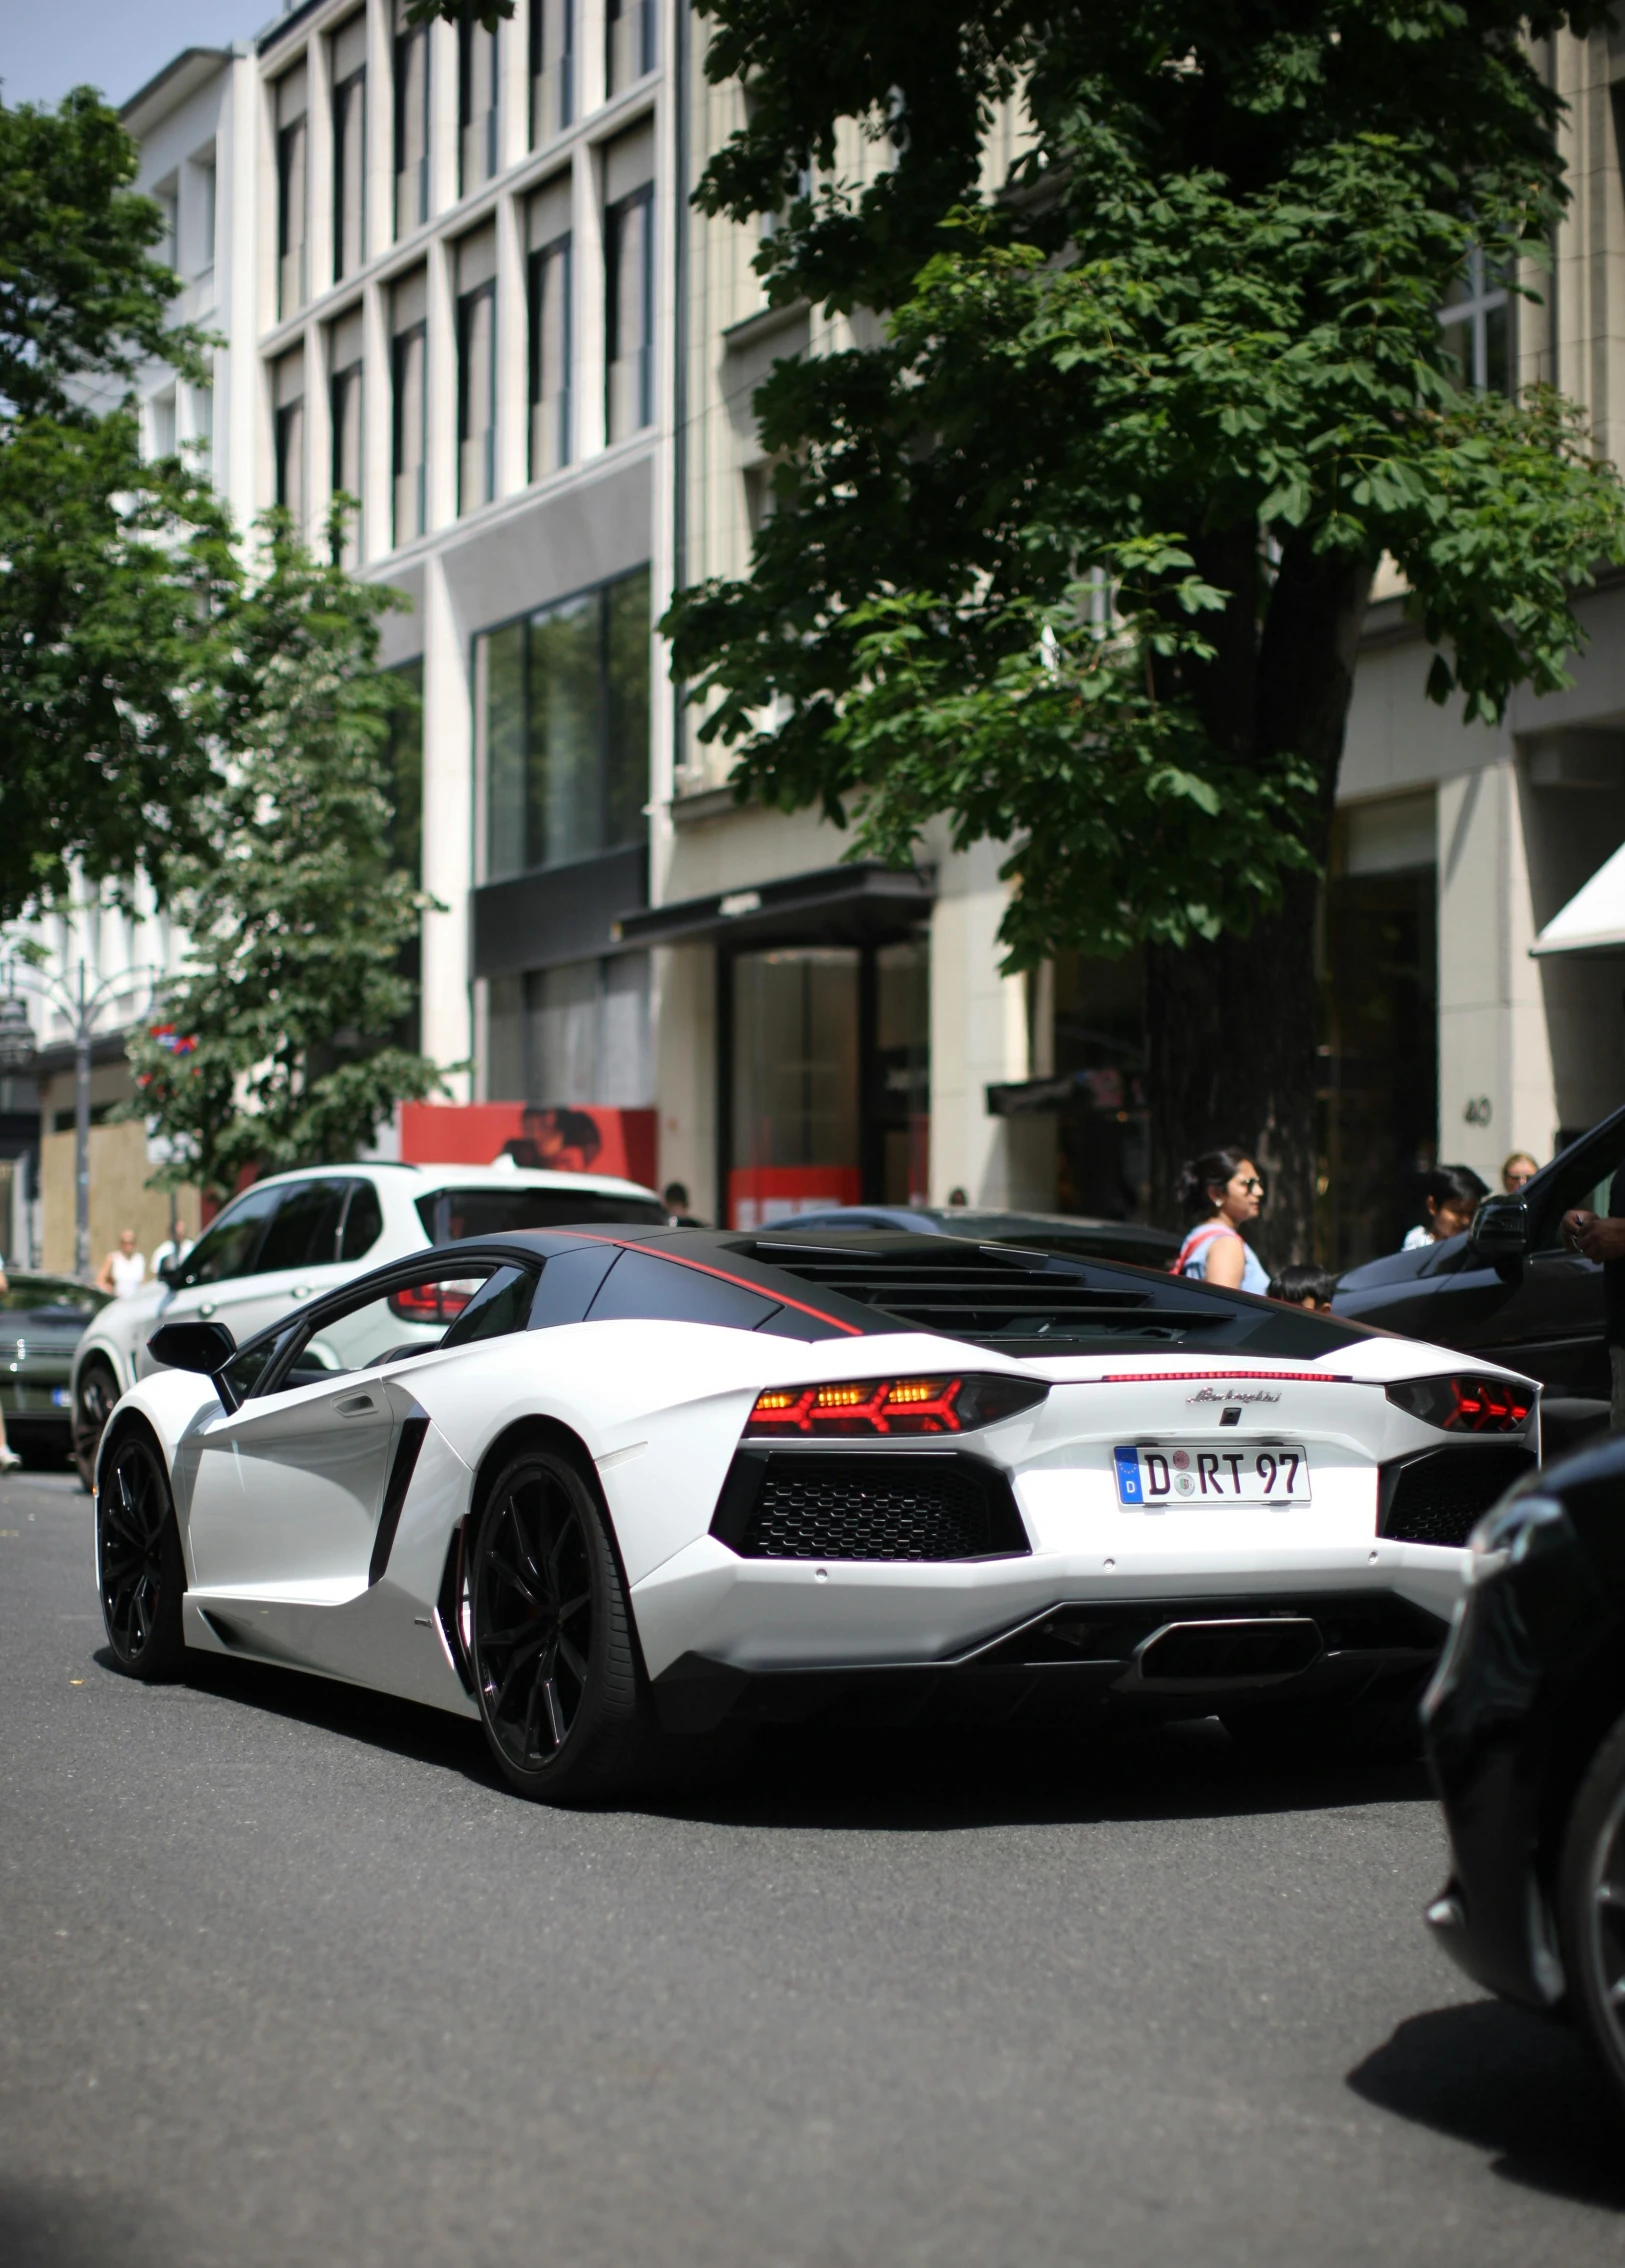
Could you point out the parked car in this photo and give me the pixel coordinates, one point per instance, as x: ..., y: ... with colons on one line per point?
x: 1509, y: 1291
x: 41, y: 1321
x: 294, y: 1236
x: 1039, y: 1232
x: 679, y: 1476
x: 1525, y: 1728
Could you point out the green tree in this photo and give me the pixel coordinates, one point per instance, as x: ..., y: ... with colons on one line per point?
x: 1075, y: 555
x: 111, y: 570
x: 277, y: 1045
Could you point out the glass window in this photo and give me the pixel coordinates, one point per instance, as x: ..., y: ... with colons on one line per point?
x: 564, y: 719
x: 582, y: 1030
x: 409, y: 450
x: 500, y: 1306
x: 648, y: 1289
x: 347, y: 469
x: 350, y: 174
x: 1476, y: 320
x: 411, y: 123
x: 794, y: 1086
x: 288, y: 434
x: 228, y: 1247
x: 552, y: 68
x: 206, y: 200
x: 305, y: 1232
x: 629, y: 314
x: 448, y: 1214
x: 549, y: 312
x: 291, y: 192
x: 390, y: 1326
x: 363, y: 1222
x: 167, y: 249
x: 476, y: 102
x: 629, y: 43
x: 476, y: 398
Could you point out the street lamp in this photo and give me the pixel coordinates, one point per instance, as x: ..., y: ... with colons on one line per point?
x: 80, y: 1004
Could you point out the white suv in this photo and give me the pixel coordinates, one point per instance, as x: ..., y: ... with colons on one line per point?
x: 295, y: 1235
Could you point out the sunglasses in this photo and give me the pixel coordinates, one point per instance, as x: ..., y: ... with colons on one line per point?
x: 1253, y: 1186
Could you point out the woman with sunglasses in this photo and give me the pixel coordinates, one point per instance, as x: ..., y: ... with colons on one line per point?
x: 1223, y: 1187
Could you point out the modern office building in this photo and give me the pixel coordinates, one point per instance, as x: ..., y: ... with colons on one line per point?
x: 458, y: 279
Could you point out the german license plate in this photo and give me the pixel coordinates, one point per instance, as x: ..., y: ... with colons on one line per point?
x: 1150, y: 1479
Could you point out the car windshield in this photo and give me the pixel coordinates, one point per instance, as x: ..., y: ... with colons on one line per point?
x: 28, y: 1292
x: 448, y: 1214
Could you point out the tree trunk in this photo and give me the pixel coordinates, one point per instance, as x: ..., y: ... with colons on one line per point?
x: 1233, y: 1028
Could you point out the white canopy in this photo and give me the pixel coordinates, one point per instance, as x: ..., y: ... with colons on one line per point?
x: 1594, y: 916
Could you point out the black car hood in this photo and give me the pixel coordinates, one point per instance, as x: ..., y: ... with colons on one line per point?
x: 1440, y: 1259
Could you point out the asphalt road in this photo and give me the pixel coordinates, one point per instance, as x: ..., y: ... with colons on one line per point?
x: 288, y: 1978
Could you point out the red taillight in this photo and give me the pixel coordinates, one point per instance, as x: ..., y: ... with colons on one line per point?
x: 1463, y: 1403
x: 889, y: 1406
x: 431, y: 1303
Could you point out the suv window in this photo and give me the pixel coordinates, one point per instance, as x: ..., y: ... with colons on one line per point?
x: 305, y: 1233
x: 1585, y: 1180
x: 230, y: 1245
x: 447, y: 1214
x: 363, y: 1222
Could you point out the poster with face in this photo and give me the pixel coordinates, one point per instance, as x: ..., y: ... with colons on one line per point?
x: 550, y: 1137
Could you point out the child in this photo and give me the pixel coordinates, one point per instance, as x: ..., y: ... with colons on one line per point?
x: 1305, y: 1285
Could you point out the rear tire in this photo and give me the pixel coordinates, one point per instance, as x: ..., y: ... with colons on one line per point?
x: 140, y: 1571
x: 1591, y: 1905
x: 550, y: 1644
x: 93, y: 1399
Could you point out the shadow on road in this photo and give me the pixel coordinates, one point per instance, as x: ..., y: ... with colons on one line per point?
x: 53, y: 2226
x: 892, y: 1779
x: 1512, y: 2084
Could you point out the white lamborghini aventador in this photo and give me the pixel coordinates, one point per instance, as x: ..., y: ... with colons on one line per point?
x: 580, y: 1483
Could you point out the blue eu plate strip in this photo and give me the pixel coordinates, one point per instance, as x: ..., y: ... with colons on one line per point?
x: 1128, y: 1476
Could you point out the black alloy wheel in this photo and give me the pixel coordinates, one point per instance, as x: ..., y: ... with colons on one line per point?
x: 1591, y: 1905
x: 549, y: 1635
x: 138, y: 1558
x: 93, y: 1400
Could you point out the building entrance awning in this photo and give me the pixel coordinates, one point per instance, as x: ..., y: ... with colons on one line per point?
x: 836, y: 905
x: 1594, y: 918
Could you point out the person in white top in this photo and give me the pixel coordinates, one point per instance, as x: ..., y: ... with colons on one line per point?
x: 123, y: 1272
x: 1451, y: 1195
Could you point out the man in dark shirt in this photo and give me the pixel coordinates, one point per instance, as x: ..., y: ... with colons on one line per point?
x: 1603, y: 1240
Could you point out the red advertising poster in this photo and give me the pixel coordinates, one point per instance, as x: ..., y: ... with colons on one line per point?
x: 575, y: 1138
x: 758, y: 1195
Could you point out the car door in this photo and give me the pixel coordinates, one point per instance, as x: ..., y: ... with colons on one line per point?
x: 1543, y: 1313
x: 287, y: 1492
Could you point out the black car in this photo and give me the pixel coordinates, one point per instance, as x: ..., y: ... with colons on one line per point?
x: 1525, y: 1726
x: 1508, y: 1290
x: 42, y: 1320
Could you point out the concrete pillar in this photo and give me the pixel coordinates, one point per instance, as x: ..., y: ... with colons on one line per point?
x: 978, y: 1038
x: 448, y: 745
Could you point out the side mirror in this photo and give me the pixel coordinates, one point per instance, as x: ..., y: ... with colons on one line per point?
x: 1500, y: 1229
x: 169, y: 1272
x: 203, y: 1347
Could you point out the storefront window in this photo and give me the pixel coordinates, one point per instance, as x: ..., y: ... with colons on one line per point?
x: 564, y: 718
x: 795, y: 1118
x: 899, y: 1099
x: 1379, y: 1109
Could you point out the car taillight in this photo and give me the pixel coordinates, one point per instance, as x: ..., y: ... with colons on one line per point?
x: 1464, y: 1404
x: 431, y: 1303
x: 890, y: 1406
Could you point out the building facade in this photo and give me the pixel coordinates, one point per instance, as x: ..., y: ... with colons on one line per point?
x: 457, y: 279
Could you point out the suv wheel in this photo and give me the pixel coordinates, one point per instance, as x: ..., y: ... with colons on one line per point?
x: 93, y: 1400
